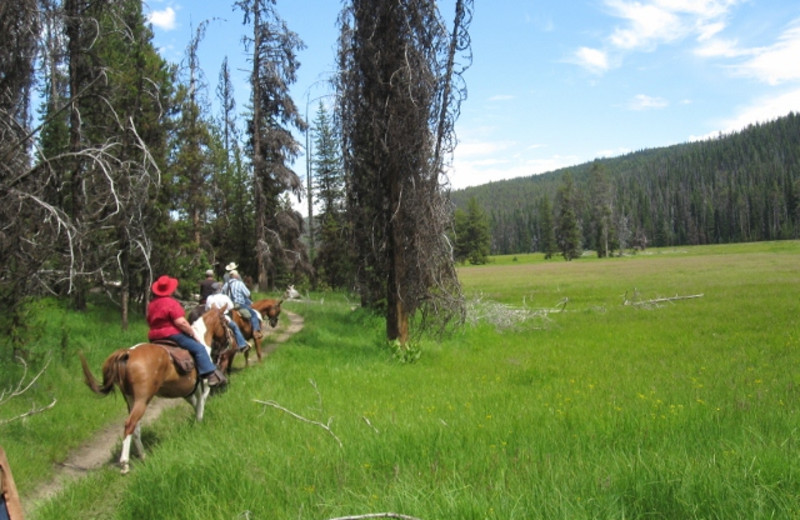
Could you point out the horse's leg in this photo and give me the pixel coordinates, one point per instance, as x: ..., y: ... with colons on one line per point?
x: 137, y: 440
x: 125, y: 455
x: 132, y: 432
x: 257, y: 343
x: 198, y: 399
x: 201, y: 406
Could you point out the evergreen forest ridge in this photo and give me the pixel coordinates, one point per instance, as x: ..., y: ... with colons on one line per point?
x: 740, y: 187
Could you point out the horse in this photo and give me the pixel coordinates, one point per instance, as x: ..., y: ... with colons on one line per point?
x: 222, y: 352
x: 270, y: 310
x: 147, y: 370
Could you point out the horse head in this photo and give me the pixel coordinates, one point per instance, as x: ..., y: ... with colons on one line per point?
x: 269, y: 309
x: 272, y: 312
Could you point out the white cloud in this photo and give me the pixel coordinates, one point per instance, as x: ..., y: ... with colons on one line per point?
x: 708, y: 31
x: 649, y: 24
x: 479, y: 162
x: 593, y: 60
x: 778, y: 63
x: 762, y: 110
x: 765, y: 109
x: 719, y: 48
x: 644, y: 102
x: 164, y: 19
x: 612, y: 153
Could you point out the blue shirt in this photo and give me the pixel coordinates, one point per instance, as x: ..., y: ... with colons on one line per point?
x: 238, y: 292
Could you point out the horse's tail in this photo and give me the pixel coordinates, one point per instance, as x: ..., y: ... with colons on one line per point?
x: 111, y: 372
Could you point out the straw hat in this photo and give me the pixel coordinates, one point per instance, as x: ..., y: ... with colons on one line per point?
x: 210, y: 272
x: 164, y: 286
x: 231, y: 266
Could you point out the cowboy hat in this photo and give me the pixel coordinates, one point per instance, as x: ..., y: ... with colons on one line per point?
x: 164, y: 286
x: 231, y: 266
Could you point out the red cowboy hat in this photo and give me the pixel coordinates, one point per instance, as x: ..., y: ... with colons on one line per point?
x: 164, y: 286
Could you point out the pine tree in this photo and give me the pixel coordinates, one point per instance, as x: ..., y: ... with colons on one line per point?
x: 569, y: 229
x: 333, y: 262
x: 272, y: 145
x: 548, y: 244
x: 473, y: 240
x: 601, y: 209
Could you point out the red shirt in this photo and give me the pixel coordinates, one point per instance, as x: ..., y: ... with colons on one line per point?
x: 161, y: 315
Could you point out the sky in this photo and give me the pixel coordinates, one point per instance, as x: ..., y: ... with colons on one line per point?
x: 553, y: 83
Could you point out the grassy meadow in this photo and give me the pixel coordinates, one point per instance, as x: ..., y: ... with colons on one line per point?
x: 557, y: 400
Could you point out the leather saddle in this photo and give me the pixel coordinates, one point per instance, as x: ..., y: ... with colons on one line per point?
x: 181, y: 358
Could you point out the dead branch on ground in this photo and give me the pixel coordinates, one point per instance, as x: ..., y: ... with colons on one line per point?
x: 397, y: 516
x: 504, y: 316
x: 326, y: 427
x: 656, y: 301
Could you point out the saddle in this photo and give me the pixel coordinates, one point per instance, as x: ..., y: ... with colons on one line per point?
x: 181, y: 358
x: 243, y: 311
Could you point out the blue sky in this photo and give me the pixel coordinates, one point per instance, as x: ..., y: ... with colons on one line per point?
x: 556, y: 83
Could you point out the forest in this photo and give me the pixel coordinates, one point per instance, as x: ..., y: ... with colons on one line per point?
x: 741, y: 187
x: 116, y: 169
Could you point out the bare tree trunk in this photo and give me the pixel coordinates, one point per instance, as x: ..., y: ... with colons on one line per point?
x: 397, y: 315
x: 258, y: 161
x: 74, y: 16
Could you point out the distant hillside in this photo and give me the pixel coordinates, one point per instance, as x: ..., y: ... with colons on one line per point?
x: 736, y: 188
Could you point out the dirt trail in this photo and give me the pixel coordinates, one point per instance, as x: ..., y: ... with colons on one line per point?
x: 97, y: 452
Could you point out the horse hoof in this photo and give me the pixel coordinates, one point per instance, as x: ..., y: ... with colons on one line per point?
x: 125, y: 469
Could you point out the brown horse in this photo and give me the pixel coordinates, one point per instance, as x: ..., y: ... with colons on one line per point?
x: 146, y: 370
x: 269, y: 309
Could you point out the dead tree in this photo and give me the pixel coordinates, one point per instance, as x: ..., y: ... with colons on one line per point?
x: 399, y: 92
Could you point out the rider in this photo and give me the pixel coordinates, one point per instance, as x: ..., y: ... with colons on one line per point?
x: 228, y: 268
x: 167, y: 320
x: 240, y: 294
x: 207, y: 286
x: 222, y: 301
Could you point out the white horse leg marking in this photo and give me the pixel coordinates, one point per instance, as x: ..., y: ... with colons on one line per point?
x: 202, y: 390
x: 124, y: 458
x: 198, y: 399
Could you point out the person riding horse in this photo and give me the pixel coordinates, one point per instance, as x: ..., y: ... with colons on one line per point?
x: 167, y: 320
x: 240, y: 294
x: 222, y: 301
x: 207, y: 286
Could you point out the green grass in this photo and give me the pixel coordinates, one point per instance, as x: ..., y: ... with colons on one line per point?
x: 684, y: 410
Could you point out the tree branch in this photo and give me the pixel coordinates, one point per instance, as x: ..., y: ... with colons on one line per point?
x: 326, y: 427
x: 656, y: 301
x: 397, y: 516
x: 9, y: 394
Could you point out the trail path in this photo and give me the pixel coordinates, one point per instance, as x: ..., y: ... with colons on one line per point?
x: 97, y: 452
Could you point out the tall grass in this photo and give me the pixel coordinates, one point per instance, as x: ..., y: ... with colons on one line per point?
x: 688, y: 409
